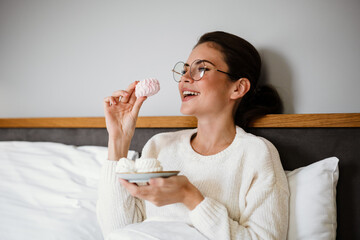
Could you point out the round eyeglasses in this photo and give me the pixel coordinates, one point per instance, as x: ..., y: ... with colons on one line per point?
x: 197, y: 70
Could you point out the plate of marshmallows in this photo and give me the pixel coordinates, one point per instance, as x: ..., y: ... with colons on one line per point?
x: 141, y: 170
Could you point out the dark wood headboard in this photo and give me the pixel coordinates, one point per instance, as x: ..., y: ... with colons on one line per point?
x: 301, y: 139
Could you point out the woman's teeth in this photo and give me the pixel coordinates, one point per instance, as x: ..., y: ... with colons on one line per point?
x: 188, y: 93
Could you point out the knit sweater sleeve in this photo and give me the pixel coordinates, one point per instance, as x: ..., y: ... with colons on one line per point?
x: 116, y: 208
x: 264, y: 215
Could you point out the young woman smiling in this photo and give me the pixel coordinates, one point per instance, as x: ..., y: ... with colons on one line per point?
x: 231, y: 183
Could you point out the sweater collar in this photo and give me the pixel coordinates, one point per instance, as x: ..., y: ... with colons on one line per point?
x: 221, y: 154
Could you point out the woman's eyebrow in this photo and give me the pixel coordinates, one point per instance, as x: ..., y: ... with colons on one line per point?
x: 208, y: 62
x: 202, y: 60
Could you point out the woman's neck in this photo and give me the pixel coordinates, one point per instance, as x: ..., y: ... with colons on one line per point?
x: 213, y: 135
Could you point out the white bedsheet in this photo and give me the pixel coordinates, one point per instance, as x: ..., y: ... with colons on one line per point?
x: 49, y: 190
x: 157, y: 230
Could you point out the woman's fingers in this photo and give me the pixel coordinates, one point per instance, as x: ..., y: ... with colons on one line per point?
x: 131, y: 87
x: 113, y: 100
x: 121, y: 95
x: 131, y: 92
x: 134, y: 189
x: 132, y: 97
x: 108, y: 101
x: 137, y: 105
x: 126, y: 96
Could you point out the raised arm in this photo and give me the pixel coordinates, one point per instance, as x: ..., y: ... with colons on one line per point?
x: 116, y: 208
x: 121, y: 112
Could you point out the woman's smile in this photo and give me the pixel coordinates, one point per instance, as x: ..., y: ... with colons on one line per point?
x: 188, y: 94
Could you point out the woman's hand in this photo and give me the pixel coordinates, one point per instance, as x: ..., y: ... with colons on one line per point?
x: 121, y: 112
x: 164, y: 191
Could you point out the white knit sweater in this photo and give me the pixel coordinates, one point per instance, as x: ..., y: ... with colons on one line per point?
x: 245, y: 189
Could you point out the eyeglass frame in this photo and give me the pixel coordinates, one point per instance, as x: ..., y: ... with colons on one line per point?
x: 203, y: 61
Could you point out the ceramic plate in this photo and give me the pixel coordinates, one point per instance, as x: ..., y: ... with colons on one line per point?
x: 145, y: 176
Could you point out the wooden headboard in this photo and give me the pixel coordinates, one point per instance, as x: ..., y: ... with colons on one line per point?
x: 301, y: 139
x: 268, y: 121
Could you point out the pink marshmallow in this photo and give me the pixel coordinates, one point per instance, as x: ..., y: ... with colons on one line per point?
x: 147, y: 87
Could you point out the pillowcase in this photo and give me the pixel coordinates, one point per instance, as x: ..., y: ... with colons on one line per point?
x: 313, y: 200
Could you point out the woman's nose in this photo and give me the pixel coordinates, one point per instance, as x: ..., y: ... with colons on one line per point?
x: 187, y: 77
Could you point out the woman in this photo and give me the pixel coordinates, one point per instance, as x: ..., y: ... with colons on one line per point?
x: 232, y: 184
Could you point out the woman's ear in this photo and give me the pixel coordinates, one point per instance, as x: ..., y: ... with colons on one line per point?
x: 240, y: 88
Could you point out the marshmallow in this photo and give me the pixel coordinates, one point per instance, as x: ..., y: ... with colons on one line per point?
x: 141, y: 165
x: 125, y: 165
x: 147, y: 87
x: 148, y: 165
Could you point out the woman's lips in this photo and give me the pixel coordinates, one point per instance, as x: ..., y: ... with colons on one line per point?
x: 188, y: 94
x: 187, y: 98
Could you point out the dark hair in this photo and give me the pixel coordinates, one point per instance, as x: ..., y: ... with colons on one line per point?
x: 244, y: 61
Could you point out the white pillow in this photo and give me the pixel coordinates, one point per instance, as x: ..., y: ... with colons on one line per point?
x: 313, y: 200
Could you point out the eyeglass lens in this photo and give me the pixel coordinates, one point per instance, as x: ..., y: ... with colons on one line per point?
x: 178, y: 71
x: 197, y: 70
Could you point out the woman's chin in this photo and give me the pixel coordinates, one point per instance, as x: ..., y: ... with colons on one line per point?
x: 186, y: 111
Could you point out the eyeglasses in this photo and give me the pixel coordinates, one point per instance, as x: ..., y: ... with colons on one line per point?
x: 197, y: 70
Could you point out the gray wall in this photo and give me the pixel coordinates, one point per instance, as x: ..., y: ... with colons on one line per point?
x: 61, y: 58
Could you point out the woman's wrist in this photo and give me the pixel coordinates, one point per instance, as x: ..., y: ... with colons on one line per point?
x: 192, y: 197
x: 118, y: 148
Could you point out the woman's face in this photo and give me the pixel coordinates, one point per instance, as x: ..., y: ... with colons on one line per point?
x: 211, y: 94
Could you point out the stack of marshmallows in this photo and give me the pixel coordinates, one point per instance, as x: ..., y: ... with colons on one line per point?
x: 141, y: 165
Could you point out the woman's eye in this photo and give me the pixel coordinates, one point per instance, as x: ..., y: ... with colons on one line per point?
x: 202, y: 69
x: 183, y: 72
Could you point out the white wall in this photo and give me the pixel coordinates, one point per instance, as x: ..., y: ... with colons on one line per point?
x: 61, y: 58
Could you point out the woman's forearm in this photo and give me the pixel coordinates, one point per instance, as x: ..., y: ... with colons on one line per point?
x: 118, y: 148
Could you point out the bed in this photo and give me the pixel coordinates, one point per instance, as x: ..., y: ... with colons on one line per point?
x: 50, y: 167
